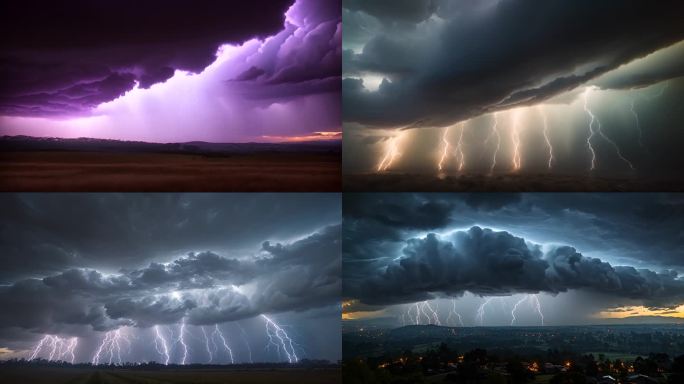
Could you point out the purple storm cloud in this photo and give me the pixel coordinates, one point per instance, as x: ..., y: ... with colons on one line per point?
x: 173, y: 71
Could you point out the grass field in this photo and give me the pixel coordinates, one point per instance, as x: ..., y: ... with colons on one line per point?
x: 91, y: 171
x: 70, y: 375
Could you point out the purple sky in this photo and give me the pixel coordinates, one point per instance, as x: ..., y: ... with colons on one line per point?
x: 260, y: 82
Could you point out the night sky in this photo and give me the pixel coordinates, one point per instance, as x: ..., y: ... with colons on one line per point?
x: 178, y: 70
x: 516, y: 83
x: 586, y: 258
x: 99, y: 266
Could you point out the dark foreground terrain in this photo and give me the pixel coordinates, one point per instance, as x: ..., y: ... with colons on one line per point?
x: 507, y: 183
x: 90, y: 375
x: 28, y: 164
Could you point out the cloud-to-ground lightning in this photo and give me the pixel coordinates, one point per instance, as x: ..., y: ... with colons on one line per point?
x: 515, y: 139
x: 545, y: 131
x: 111, y: 345
x: 274, y: 330
x: 599, y: 131
x: 637, y: 124
x: 495, y: 131
x: 224, y: 343
x: 391, y: 153
x: 453, y: 313
x: 60, y: 348
x: 206, y: 342
x: 244, y: 339
x: 161, y: 345
x: 479, y: 317
x: 181, y: 340
x: 533, y: 300
x: 445, y: 151
x: 459, y: 147
x: 432, y: 312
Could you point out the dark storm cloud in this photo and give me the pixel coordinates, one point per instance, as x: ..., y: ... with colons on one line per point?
x: 64, y: 59
x: 107, y: 232
x: 628, y: 247
x: 206, y: 288
x: 446, y: 61
x: 485, y: 262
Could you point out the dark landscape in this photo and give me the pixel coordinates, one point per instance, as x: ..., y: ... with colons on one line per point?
x: 39, y: 372
x: 543, y: 182
x: 36, y: 164
x: 552, y: 354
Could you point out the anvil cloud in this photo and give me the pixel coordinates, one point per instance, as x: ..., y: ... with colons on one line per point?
x: 172, y: 71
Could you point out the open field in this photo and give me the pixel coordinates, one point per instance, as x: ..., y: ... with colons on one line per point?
x: 389, y: 182
x: 117, y: 171
x: 72, y: 375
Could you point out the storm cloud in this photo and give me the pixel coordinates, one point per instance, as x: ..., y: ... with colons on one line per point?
x: 137, y: 261
x: 617, y: 248
x: 438, y: 62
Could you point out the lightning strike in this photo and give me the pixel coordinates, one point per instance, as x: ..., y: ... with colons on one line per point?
x: 217, y: 332
x: 537, y: 306
x: 111, y: 345
x: 453, y: 313
x: 459, y: 148
x: 446, y: 148
x: 161, y: 345
x: 481, y: 311
x: 206, y: 342
x: 391, y: 153
x: 515, y: 308
x: 546, y: 137
x: 515, y: 139
x: 599, y: 131
x: 60, y: 348
x: 532, y: 300
x: 435, y: 317
x: 495, y: 130
x: 181, y: 339
x: 244, y: 339
x: 274, y: 330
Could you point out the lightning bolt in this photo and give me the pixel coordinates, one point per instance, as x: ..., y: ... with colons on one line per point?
x: 161, y: 345
x: 111, y: 344
x: 206, y: 341
x: 244, y: 339
x: 593, y: 119
x: 459, y: 147
x: 636, y: 121
x: 481, y: 311
x: 274, y: 330
x: 181, y: 339
x: 446, y: 148
x: 537, y: 306
x: 515, y: 138
x: 435, y: 317
x: 495, y: 131
x: 391, y: 153
x: 546, y: 136
x: 454, y: 313
x: 515, y: 308
x: 217, y: 332
x: 534, y: 301
x: 60, y: 348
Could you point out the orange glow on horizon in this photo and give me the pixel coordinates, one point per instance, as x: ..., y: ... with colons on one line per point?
x: 315, y: 136
x: 632, y: 311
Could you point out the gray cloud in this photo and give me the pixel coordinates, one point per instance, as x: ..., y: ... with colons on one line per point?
x: 445, y: 62
x: 487, y: 263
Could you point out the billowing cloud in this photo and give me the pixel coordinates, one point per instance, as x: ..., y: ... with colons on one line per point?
x: 490, y: 263
x: 206, y: 288
x: 240, y: 71
x: 432, y: 63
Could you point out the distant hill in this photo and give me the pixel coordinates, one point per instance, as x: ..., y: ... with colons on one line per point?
x: 28, y: 143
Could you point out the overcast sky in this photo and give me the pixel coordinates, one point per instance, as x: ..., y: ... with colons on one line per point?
x: 178, y: 70
x: 413, y: 68
x: 93, y: 266
x: 585, y: 256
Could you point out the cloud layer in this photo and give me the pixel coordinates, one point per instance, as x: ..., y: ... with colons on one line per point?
x: 437, y: 62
